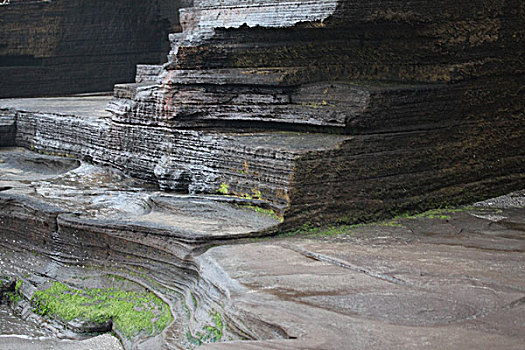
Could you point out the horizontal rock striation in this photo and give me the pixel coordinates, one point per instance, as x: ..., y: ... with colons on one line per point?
x: 246, y: 293
x: 335, y: 66
x: 84, y: 219
x: 312, y: 178
x: 66, y: 47
x: 391, y: 40
x: 327, y: 110
x: 256, y: 165
x: 430, y: 96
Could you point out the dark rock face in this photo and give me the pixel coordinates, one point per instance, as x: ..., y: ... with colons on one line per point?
x: 64, y: 47
x: 385, y: 108
x: 429, y: 94
x: 325, y: 64
x: 391, y: 40
x: 7, y: 128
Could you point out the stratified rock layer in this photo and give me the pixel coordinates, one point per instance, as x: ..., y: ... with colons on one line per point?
x: 71, y: 46
x: 327, y: 111
x: 310, y: 177
x: 259, y: 165
x: 334, y: 40
x: 274, y: 115
x: 430, y: 96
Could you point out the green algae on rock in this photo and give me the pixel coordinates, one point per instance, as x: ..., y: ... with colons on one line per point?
x: 132, y: 313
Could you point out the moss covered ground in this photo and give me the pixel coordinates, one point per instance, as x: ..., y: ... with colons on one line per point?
x: 132, y: 313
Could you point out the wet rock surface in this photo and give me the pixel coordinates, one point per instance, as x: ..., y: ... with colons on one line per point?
x: 451, y: 278
x: 450, y: 282
x: 62, y: 218
x: 85, y: 193
x: 299, y: 114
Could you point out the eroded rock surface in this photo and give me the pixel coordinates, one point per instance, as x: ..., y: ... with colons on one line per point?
x: 453, y: 281
x: 271, y: 116
x: 59, y: 47
x: 92, y: 226
x: 451, y: 278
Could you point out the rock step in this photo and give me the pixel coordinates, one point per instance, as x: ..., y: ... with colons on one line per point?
x: 131, y: 90
x: 308, y: 177
x: 227, y: 99
x: 257, y: 165
x: 72, y: 196
x: 285, y: 76
x: 147, y: 72
x: 206, y: 16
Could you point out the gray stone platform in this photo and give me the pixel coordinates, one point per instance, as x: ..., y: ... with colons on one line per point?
x: 450, y: 279
x: 453, y: 280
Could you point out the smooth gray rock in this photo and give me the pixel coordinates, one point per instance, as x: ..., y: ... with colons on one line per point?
x: 106, y: 342
x: 423, y: 283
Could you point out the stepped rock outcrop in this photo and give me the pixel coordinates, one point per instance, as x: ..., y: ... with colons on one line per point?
x: 334, y: 111
x: 428, y: 95
x: 316, y: 112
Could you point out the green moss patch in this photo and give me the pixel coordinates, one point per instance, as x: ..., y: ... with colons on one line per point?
x: 210, y: 333
x: 266, y: 212
x: 132, y: 313
x: 308, y: 231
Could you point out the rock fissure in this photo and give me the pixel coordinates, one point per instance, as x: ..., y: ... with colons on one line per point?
x: 346, y: 265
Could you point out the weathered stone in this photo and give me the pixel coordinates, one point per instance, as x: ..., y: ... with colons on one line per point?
x: 326, y: 112
x: 81, y: 326
x: 73, y: 213
x: 429, y: 94
x: 348, y: 40
x: 313, y: 178
x: 382, y: 286
x: 7, y: 128
x: 65, y: 47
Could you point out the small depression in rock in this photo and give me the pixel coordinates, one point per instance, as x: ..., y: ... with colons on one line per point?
x: 23, y: 164
x: 205, y: 216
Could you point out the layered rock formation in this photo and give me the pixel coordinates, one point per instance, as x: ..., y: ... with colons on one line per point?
x: 86, y: 222
x: 65, y: 47
x: 429, y: 94
x: 387, y: 108
x: 302, y: 113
